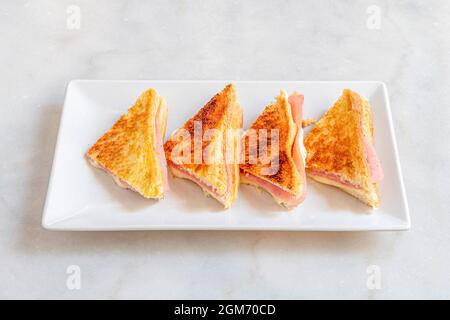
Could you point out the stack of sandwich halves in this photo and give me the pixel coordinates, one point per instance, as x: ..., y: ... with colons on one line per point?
x: 272, y: 154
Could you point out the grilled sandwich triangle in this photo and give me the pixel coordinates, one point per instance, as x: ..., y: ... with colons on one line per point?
x: 206, y: 149
x: 132, y: 150
x: 279, y: 168
x: 340, y: 149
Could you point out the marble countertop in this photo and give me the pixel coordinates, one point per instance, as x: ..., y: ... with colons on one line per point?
x: 45, y: 44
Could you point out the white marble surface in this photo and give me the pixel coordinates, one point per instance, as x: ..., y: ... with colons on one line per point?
x: 300, y: 40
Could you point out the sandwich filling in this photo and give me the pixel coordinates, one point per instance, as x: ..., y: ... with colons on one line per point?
x: 181, y: 172
x: 333, y: 177
x: 160, y: 130
x: 375, y: 171
x: 282, y: 196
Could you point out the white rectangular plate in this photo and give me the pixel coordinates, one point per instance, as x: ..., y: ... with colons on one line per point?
x: 81, y: 197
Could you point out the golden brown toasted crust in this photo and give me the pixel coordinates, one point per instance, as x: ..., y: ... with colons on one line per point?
x: 307, y: 122
x: 222, y: 112
x: 128, y: 150
x: 335, y: 144
x: 278, y: 116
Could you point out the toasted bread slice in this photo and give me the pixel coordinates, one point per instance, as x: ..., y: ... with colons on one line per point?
x: 279, y: 167
x: 132, y: 150
x: 204, y: 151
x: 340, y: 151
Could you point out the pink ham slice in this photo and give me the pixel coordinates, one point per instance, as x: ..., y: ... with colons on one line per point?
x: 333, y: 177
x: 180, y: 171
x: 376, y: 173
x: 280, y: 194
x: 296, y: 103
x: 161, y: 155
x: 204, y: 185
